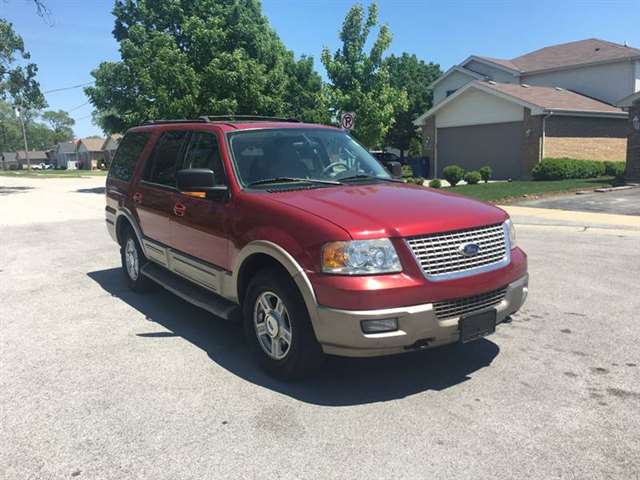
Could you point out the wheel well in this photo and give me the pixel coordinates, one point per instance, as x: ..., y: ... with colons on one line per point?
x: 251, y: 266
x: 121, y: 227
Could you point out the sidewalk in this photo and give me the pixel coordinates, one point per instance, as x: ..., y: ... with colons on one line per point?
x: 567, y: 218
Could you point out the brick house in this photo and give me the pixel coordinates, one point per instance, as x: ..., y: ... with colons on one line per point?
x: 559, y: 101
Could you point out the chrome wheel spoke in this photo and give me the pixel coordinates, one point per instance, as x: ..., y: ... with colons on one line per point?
x: 261, y: 329
x: 279, y: 307
x: 276, y: 347
x: 264, y: 303
x: 285, y: 335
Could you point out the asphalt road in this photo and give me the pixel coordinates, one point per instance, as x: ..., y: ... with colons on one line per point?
x: 620, y: 202
x: 97, y: 382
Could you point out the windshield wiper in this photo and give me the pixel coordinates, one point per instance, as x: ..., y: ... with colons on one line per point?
x: 266, y: 181
x: 370, y: 177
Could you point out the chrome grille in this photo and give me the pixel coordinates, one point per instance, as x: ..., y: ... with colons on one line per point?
x: 462, y: 306
x: 440, y: 255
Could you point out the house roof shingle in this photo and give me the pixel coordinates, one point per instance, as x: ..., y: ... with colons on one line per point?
x: 551, y: 98
x: 93, y: 144
x: 33, y: 155
x: 581, y: 52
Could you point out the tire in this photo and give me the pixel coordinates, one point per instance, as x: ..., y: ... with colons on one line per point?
x: 132, y: 262
x: 281, y: 338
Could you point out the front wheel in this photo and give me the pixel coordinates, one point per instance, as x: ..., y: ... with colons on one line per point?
x: 278, y: 327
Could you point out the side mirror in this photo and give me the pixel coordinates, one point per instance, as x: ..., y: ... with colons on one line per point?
x: 199, y: 180
x: 395, y: 168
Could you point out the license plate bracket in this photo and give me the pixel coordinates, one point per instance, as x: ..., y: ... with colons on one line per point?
x: 477, y: 325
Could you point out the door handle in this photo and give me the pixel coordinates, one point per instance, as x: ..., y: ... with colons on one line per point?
x: 179, y: 209
x: 137, y: 197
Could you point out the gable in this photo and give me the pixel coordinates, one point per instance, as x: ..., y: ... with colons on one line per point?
x: 453, y: 81
x: 475, y: 107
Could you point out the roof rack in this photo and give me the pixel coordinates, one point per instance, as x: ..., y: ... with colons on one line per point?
x: 247, y: 118
x: 182, y: 120
x: 224, y: 119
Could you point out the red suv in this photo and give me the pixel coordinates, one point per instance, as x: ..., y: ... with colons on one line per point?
x: 301, y: 230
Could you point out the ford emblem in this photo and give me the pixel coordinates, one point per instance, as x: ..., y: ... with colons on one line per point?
x: 469, y: 249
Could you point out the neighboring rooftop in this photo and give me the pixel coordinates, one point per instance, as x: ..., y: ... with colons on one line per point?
x: 551, y: 98
x: 93, y: 144
x: 581, y: 52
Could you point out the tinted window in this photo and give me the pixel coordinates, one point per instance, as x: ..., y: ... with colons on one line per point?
x: 203, y: 153
x: 129, y: 150
x: 162, y: 168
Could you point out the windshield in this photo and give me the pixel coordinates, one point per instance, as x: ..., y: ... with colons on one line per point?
x: 326, y: 156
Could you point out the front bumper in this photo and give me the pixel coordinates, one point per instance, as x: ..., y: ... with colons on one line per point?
x: 339, y: 331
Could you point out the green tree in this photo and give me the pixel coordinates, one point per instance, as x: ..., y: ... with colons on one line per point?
x: 186, y: 58
x: 40, y: 135
x: 413, y: 76
x: 359, y: 80
x: 61, y: 125
x: 18, y: 83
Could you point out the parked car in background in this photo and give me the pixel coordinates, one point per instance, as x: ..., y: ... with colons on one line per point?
x: 386, y: 157
x: 301, y: 231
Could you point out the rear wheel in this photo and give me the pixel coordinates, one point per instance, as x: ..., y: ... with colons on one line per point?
x: 278, y: 327
x: 132, y: 262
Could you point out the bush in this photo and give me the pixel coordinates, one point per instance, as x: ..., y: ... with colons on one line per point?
x: 472, y: 178
x: 485, y: 173
x: 415, y: 180
x: 407, y: 171
x: 614, y: 169
x: 453, y: 174
x: 564, y: 168
x: 435, y: 183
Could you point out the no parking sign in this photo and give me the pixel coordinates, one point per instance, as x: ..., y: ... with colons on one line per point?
x: 348, y: 120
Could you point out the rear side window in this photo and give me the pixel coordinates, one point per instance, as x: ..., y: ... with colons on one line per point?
x: 203, y: 152
x: 129, y: 150
x: 166, y: 155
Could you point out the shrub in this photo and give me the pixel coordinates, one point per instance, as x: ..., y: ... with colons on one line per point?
x: 435, y: 183
x: 415, y: 148
x: 614, y: 169
x: 415, y: 180
x: 563, y: 168
x: 407, y: 171
x: 485, y: 173
x: 472, y: 178
x: 453, y: 174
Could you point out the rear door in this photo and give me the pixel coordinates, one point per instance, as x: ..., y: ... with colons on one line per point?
x: 199, y: 224
x: 154, y: 193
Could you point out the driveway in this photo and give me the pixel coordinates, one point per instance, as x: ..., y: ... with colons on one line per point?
x: 620, y: 202
x: 98, y: 382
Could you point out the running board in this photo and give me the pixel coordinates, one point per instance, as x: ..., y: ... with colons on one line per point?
x: 209, y: 301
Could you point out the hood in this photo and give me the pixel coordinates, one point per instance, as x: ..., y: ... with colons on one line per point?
x: 392, y: 209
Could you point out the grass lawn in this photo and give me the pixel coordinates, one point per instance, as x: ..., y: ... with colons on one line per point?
x: 505, y: 191
x: 52, y: 173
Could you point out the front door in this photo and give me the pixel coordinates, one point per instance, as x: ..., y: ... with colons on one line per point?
x: 199, y: 224
x: 154, y: 193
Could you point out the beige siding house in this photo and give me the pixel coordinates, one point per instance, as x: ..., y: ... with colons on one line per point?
x: 554, y: 102
x: 90, y: 153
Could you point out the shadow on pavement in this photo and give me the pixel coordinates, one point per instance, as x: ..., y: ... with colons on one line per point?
x: 100, y: 190
x: 10, y: 190
x: 342, y: 381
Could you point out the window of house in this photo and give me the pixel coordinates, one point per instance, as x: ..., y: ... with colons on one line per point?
x: 165, y: 158
x: 127, y: 154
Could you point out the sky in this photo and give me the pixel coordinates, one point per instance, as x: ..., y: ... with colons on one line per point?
x: 77, y: 37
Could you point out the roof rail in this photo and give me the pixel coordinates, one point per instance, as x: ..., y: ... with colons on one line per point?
x: 248, y: 118
x: 182, y: 120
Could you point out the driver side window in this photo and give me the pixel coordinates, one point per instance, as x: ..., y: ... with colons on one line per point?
x: 203, y: 152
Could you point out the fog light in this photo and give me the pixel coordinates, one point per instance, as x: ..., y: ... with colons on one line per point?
x: 379, y: 326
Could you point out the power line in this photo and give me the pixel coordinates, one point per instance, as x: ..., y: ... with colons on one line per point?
x: 69, y: 88
x: 77, y: 107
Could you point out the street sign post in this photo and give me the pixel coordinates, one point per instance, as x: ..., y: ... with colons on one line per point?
x: 348, y: 120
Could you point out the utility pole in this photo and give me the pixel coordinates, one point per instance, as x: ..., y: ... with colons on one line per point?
x: 24, y: 137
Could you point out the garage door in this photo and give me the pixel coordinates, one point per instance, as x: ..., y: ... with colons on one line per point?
x: 498, y: 145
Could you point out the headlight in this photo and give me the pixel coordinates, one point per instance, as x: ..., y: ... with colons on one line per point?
x: 512, y: 233
x: 358, y: 257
